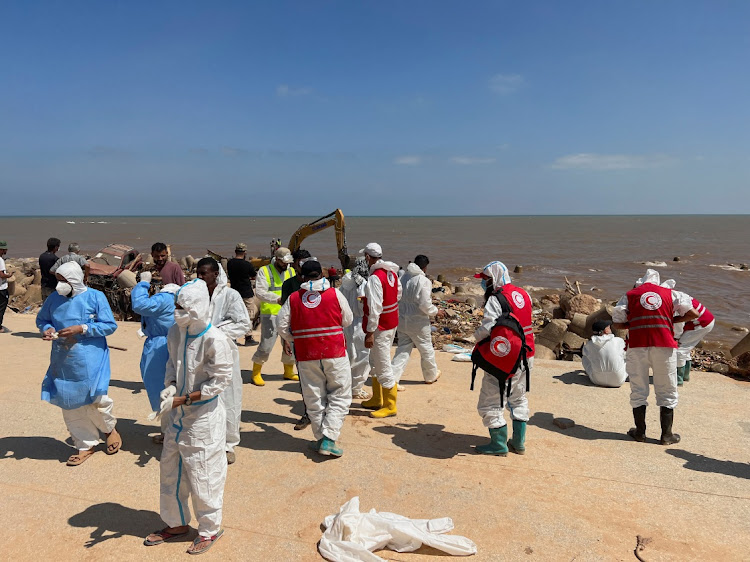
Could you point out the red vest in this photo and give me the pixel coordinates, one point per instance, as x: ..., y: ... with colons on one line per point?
x: 703, y: 320
x: 650, y: 312
x: 389, y: 317
x: 520, y: 303
x: 315, y: 323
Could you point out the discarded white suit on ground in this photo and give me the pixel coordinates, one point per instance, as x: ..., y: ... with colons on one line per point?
x: 414, y: 311
x: 229, y: 313
x: 351, y: 536
x: 193, y: 461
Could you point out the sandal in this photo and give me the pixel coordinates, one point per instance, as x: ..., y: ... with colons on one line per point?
x: 113, y: 442
x: 203, y: 544
x: 163, y: 536
x: 75, y: 460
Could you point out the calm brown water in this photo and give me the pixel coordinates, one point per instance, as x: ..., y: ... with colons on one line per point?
x: 603, y: 252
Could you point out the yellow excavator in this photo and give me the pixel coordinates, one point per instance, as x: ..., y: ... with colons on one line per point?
x: 334, y: 219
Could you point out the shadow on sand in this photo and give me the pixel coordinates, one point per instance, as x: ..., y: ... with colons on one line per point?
x: 574, y: 377
x: 113, y: 521
x: 431, y: 440
x: 28, y: 335
x: 701, y: 463
x: 543, y: 420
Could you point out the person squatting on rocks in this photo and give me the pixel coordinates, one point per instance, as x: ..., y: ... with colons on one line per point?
x: 648, y: 311
x: 157, y: 317
x: 169, y: 271
x: 313, y: 318
x: 290, y: 286
x: 495, y: 279
x: 228, y: 313
x: 193, y: 461
x: 77, y: 320
x: 353, y: 288
x: 241, y: 274
x: 268, y: 285
x: 380, y: 320
x: 604, y: 356
x: 414, y: 311
x: 688, y: 335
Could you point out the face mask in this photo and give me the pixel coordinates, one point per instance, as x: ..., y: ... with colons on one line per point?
x: 182, y: 318
x: 484, y: 284
x: 64, y: 289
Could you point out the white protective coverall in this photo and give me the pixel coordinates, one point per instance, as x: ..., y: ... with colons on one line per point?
x: 229, y: 313
x: 353, y: 289
x: 488, y: 406
x: 380, y: 353
x: 661, y: 360
x: 193, y: 461
x: 268, y: 330
x: 326, y: 383
x: 604, y: 360
x: 688, y: 339
x: 414, y: 311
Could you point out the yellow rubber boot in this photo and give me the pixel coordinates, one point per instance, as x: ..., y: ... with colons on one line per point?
x: 376, y: 402
x: 389, y: 403
x: 257, y: 379
x: 289, y: 373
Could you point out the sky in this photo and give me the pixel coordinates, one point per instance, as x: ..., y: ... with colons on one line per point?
x: 411, y: 107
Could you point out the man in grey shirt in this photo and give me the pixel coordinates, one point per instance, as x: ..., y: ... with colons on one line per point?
x: 72, y: 255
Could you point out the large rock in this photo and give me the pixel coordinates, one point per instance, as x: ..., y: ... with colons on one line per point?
x: 543, y: 352
x: 126, y: 279
x: 26, y: 281
x: 33, y: 295
x: 582, y: 304
x: 37, y: 278
x: 554, y: 332
x: 742, y: 346
x: 573, y: 341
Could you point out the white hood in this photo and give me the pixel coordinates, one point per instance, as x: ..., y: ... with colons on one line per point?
x: 413, y: 269
x: 318, y: 285
x: 74, y: 276
x: 601, y: 341
x: 382, y: 264
x: 193, y: 298
x: 498, y: 272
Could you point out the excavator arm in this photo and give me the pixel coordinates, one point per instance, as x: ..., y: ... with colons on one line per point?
x: 334, y: 219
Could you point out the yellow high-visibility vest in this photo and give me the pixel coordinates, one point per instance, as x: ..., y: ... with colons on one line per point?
x: 275, y: 281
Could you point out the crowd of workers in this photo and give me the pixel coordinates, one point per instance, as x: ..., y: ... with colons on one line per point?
x: 337, y: 338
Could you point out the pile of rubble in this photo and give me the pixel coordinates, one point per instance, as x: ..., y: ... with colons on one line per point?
x: 24, y: 285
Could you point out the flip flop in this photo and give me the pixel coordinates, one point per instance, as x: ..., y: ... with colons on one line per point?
x: 75, y: 460
x: 163, y: 537
x: 113, y: 442
x: 202, y: 541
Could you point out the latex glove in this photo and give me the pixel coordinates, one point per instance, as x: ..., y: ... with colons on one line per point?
x: 145, y: 276
x: 168, y: 392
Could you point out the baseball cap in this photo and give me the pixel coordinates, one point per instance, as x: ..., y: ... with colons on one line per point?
x: 373, y: 250
x: 600, y: 325
x: 3, y: 245
x: 284, y: 255
x: 240, y: 247
x: 311, y: 268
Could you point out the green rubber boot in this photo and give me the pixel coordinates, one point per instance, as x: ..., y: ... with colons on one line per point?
x: 498, y: 443
x: 517, y: 443
x: 329, y: 447
x: 686, y: 372
x: 680, y: 375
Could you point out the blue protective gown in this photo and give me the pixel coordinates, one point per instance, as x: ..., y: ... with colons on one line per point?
x: 79, y: 367
x: 157, y: 316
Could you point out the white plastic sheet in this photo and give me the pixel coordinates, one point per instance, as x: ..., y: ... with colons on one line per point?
x: 351, y: 536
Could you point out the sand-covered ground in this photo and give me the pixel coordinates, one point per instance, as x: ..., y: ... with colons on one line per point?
x: 583, y: 493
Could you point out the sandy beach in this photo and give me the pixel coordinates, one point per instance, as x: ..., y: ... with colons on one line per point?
x: 584, y: 493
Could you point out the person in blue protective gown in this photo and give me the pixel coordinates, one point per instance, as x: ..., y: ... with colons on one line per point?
x: 77, y: 320
x: 193, y: 461
x: 157, y: 317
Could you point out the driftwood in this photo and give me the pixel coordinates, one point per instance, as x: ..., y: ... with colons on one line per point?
x: 569, y: 287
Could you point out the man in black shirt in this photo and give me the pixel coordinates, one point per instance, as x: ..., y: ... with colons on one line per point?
x: 290, y: 286
x: 241, y: 273
x: 46, y: 261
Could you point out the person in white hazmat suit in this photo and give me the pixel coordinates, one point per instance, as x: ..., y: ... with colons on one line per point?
x: 380, y: 320
x: 228, y: 313
x: 688, y: 335
x: 649, y: 311
x: 314, y: 319
x: 414, y: 311
x: 353, y: 288
x: 494, y: 276
x: 193, y: 462
x: 604, y: 356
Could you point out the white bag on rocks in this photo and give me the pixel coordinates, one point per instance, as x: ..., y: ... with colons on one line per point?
x: 351, y: 536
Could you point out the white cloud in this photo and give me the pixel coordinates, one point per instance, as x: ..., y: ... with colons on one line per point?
x: 590, y: 161
x: 470, y: 160
x: 504, y: 146
x: 283, y: 91
x: 408, y: 160
x: 506, y: 83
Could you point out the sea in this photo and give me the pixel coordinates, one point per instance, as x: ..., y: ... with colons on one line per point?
x: 605, y: 254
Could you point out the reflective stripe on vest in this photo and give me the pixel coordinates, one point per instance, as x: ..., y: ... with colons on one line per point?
x: 275, y: 282
x: 650, y: 312
x: 704, y: 317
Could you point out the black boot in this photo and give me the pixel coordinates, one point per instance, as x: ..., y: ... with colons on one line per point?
x: 666, y: 416
x: 639, y: 431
